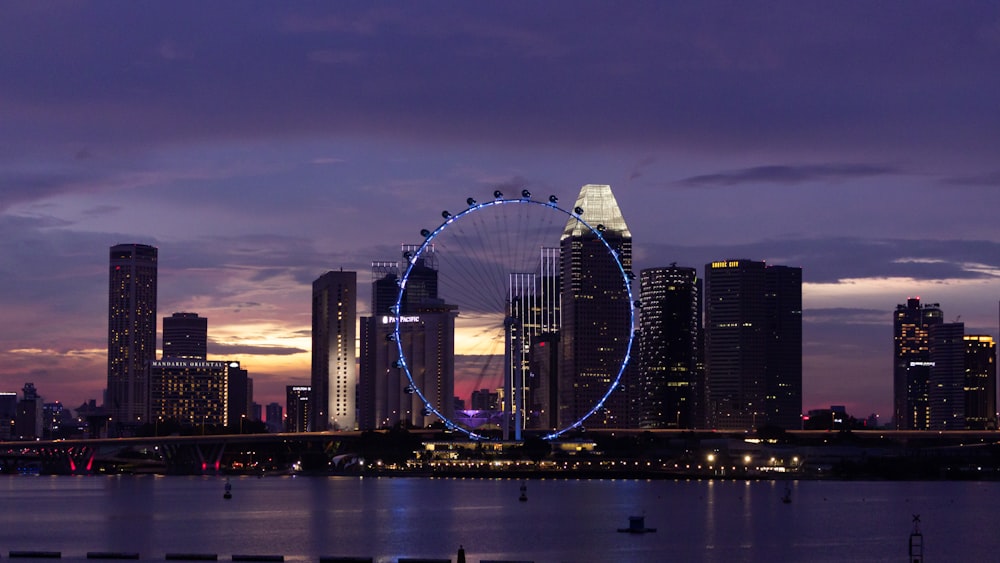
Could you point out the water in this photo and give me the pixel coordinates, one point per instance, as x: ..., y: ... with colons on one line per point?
x: 304, y: 518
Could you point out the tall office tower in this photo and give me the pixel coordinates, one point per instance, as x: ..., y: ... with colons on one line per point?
x: 783, y: 361
x: 912, y: 363
x: 669, y: 382
x: 534, y: 316
x: 427, y: 336
x: 334, y: 368
x: 297, y: 407
x: 980, y: 382
x: 425, y: 321
x: 535, y: 311
x: 131, y: 334
x: 595, y: 311
x: 185, y: 335
x: 753, y: 345
x: 946, y: 382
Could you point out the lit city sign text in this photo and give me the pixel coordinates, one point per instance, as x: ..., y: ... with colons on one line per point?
x: 386, y: 320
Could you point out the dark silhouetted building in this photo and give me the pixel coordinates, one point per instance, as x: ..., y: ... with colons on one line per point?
x: 980, y: 382
x: 275, y: 420
x: 131, y: 334
x: 185, y: 335
x: 946, y: 383
x: 297, y: 408
x: 595, y: 311
x: 753, y: 345
x: 28, y: 421
x: 334, y: 364
x: 912, y: 363
x: 8, y: 412
x: 670, y: 381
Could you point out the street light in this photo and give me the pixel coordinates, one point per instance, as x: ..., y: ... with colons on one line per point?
x: 242, y: 418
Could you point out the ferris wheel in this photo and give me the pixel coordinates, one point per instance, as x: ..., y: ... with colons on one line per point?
x: 495, y: 282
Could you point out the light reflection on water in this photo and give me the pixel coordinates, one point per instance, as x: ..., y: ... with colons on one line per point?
x: 563, y: 520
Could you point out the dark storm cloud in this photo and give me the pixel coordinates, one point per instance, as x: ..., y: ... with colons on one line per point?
x: 989, y: 179
x: 219, y: 349
x: 669, y: 74
x: 788, y: 174
x: 19, y: 187
x: 833, y: 259
x: 847, y: 315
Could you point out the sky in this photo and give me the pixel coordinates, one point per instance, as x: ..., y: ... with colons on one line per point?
x: 260, y: 144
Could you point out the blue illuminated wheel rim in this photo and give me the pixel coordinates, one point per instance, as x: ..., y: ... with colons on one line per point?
x: 426, y: 247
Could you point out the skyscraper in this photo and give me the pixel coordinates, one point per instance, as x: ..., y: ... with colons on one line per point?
x: 533, y: 299
x: 131, y: 334
x: 334, y: 368
x: 297, y: 408
x: 185, y: 335
x: 980, y: 382
x: 595, y: 311
x: 946, y: 380
x: 669, y: 382
x: 783, y: 362
x: 753, y: 345
x: 912, y: 363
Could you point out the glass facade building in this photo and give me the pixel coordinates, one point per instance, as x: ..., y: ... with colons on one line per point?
x: 670, y: 381
x: 912, y: 363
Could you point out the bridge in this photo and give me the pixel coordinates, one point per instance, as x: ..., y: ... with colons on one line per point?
x: 323, y: 452
x: 204, y: 454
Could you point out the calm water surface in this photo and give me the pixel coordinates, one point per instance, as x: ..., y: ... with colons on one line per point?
x: 304, y: 518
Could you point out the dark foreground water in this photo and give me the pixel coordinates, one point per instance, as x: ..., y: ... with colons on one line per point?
x: 304, y: 518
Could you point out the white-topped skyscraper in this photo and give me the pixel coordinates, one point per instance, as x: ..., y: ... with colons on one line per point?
x: 595, y: 311
x: 131, y: 334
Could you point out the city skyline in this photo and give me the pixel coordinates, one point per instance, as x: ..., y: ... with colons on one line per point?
x: 260, y: 146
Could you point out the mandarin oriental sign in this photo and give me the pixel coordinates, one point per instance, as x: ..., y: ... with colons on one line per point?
x: 188, y: 364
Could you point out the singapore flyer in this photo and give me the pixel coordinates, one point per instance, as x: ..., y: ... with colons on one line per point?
x: 482, y: 318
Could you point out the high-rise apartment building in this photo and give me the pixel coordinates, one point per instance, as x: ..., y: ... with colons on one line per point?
x: 334, y: 367
x: 185, y: 335
x: 670, y: 382
x: 753, y: 345
x: 595, y: 311
x: 131, y: 334
x: 912, y: 363
x: 980, y: 382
